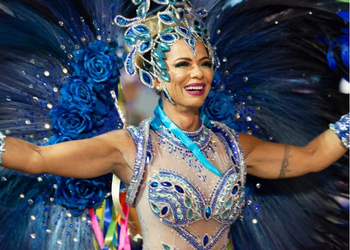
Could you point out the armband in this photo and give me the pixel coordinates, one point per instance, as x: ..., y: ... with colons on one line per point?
x: 341, y: 129
x: 2, y: 145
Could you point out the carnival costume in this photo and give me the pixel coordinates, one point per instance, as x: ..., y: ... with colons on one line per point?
x: 281, y: 62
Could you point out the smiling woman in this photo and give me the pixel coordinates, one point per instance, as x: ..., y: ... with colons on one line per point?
x: 185, y: 173
x: 191, y: 79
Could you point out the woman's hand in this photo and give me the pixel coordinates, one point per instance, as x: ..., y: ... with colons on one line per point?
x: 111, y: 152
x: 273, y: 160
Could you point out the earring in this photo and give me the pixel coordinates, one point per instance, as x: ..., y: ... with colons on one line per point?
x: 158, y: 87
x: 166, y: 94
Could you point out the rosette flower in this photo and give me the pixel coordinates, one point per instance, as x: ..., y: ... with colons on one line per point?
x: 219, y: 107
x: 71, y: 122
x: 79, y: 194
x: 78, y: 92
x: 98, y: 62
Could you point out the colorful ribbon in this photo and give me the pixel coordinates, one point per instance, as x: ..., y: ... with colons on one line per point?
x: 162, y: 118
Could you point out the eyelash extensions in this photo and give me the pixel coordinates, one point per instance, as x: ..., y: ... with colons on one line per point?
x: 186, y: 64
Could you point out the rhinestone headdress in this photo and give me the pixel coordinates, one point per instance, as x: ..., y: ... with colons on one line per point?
x: 177, y: 21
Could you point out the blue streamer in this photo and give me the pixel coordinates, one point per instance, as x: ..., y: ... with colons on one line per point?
x: 162, y: 118
x: 108, y: 215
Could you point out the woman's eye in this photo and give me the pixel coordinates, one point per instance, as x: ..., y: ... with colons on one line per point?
x: 207, y: 64
x: 182, y: 64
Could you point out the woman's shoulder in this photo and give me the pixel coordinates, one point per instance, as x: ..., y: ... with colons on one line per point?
x: 140, y: 131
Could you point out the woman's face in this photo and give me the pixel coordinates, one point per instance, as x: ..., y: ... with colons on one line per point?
x: 191, y: 77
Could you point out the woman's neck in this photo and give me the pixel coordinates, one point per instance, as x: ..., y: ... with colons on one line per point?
x: 185, y: 118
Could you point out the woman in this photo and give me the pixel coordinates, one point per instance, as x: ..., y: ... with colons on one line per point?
x: 115, y: 152
x: 184, y: 197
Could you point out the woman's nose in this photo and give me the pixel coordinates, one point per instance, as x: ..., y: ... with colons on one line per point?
x: 197, y: 72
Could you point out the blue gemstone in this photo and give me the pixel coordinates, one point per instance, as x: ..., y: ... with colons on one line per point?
x: 166, y: 18
x: 129, y: 39
x: 207, y: 212
x: 164, y: 210
x: 168, y: 38
x: 121, y: 21
x: 145, y: 45
x: 165, y: 76
x: 141, y: 28
x: 205, y: 240
x: 164, y: 47
x: 183, y: 30
x: 166, y: 184
x: 158, y: 53
x: 234, y: 190
x: 179, y: 189
x: 144, y: 37
x: 141, y: 11
x: 161, y: 64
x: 148, y: 154
x: 154, y: 184
x: 192, y: 42
x: 166, y: 96
x: 202, y: 12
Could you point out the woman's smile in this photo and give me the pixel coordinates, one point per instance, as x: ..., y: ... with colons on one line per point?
x: 195, y: 88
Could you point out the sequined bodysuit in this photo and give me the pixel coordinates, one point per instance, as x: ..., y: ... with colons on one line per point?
x: 181, y: 204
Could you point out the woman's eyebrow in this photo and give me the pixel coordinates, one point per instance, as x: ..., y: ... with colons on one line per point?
x: 189, y: 59
x: 183, y: 58
x: 204, y: 58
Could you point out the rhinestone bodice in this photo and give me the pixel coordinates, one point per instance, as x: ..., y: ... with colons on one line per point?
x: 180, y: 204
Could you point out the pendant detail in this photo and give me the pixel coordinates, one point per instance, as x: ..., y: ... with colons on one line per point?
x: 207, y: 213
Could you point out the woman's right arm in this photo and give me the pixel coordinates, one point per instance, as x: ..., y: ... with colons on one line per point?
x: 113, y: 152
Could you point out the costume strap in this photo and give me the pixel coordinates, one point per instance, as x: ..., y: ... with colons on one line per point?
x: 162, y: 118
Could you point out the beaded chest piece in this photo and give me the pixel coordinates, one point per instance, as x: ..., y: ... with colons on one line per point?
x: 175, y: 199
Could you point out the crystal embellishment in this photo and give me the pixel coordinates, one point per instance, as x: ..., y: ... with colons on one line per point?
x: 205, y: 240
x: 207, y: 212
x: 147, y: 80
x: 179, y: 189
x: 166, y: 18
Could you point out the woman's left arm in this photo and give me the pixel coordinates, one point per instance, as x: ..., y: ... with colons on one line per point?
x: 273, y: 160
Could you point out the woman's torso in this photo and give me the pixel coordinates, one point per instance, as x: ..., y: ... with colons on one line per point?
x: 181, y: 204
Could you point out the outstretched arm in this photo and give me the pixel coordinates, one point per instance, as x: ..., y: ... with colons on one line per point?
x: 273, y: 160
x: 111, y: 152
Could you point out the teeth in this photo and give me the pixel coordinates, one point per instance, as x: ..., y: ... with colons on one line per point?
x: 194, y: 88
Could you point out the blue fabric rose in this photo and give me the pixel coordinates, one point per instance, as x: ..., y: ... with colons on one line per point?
x: 79, y: 194
x: 219, y: 107
x: 78, y: 92
x: 85, y: 104
x: 71, y: 122
x: 98, y: 62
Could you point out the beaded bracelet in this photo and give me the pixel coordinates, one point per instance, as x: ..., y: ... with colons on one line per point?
x: 2, y: 145
x: 341, y: 129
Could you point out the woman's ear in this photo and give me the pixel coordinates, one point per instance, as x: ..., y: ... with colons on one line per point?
x: 157, y: 84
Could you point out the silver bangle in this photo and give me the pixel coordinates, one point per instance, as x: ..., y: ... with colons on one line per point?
x: 341, y: 129
x: 2, y: 145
